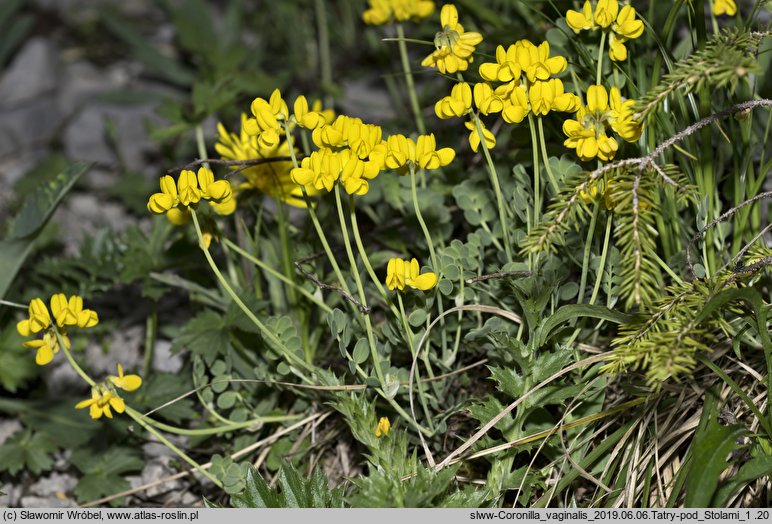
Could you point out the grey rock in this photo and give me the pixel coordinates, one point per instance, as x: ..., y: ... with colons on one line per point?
x: 157, y: 470
x: 47, y: 502
x: 8, y: 428
x: 86, y: 136
x: 62, y: 379
x: 163, y: 358
x: 11, y: 497
x: 82, y: 214
x: 124, y: 348
x: 54, y: 485
x: 32, y: 74
x: 156, y: 449
x: 368, y: 100
x: 27, y: 126
x: 80, y: 81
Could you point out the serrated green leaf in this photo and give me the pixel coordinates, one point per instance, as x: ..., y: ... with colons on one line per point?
x: 27, y: 450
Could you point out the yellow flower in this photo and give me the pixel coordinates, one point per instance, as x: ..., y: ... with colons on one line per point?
x: 267, y: 115
x: 355, y: 173
x: 606, y: 12
x: 401, y: 273
x: 474, y: 137
x: 427, y: 156
x: 384, y: 11
x: 550, y: 96
x: 190, y: 190
x: 516, y: 107
x: 536, y: 62
x: 102, y: 399
x: 580, y: 21
x: 320, y: 170
x: 125, y: 382
x: 454, y: 46
x: 383, y: 427
x: 486, y: 100
x: 65, y: 313
x: 306, y: 118
x: 621, y: 24
x: 46, y: 347
x: 724, y: 7
x: 506, y: 69
x: 589, y: 132
x: 399, y: 151
x: 402, y: 151
x: 39, y: 319
x: 71, y: 313
x: 270, y: 178
x: 458, y: 103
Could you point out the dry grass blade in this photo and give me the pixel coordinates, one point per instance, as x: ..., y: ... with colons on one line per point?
x: 477, y: 436
x: 316, y: 417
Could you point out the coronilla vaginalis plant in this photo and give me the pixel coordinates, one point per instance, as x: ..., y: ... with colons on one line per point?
x: 539, y: 278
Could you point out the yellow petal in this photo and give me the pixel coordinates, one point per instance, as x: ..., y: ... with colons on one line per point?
x: 23, y: 328
x: 424, y: 281
x: 44, y: 355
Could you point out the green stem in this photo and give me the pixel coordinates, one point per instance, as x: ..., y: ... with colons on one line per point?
x: 71, y: 360
x: 411, y: 343
x: 602, y: 265
x: 536, y: 173
x: 217, y: 430
x: 599, y: 71
x: 151, y: 327
x: 360, y: 289
x: 411, y: 91
x: 420, y: 217
x: 140, y: 419
x: 315, y: 219
x: 432, y: 254
x: 365, y: 258
x: 587, y: 249
x: 286, y: 251
x: 546, y: 158
x: 268, y: 334
x: 496, y: 188
x: 201, y: 145
x: 268, y: 269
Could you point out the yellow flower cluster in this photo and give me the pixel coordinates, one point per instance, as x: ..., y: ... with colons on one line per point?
x: 620, y: 24
x: 402, y: 273
x: 67, y: 313
x: 270, y: 178
x: 605, y: 111
x: 524, y: 72
x: 384, y: 11
x: 175, y: 200
x: 104, y: 396
x: 350, y: 151
x: 453, y: 46
x: 724, y: 7
x: 261, y: 137
x: 402, y: 151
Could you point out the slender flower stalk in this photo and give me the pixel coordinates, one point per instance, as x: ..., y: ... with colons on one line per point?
x: 315, y: 220
x: 267, y: 333
x: 496, y: 189
x: 411, y: 90
x: 360, y: 289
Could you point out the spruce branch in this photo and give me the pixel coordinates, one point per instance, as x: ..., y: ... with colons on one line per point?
x: 727, y: 57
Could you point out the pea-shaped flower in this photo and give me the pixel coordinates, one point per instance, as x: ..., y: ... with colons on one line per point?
x: 401, y: 273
